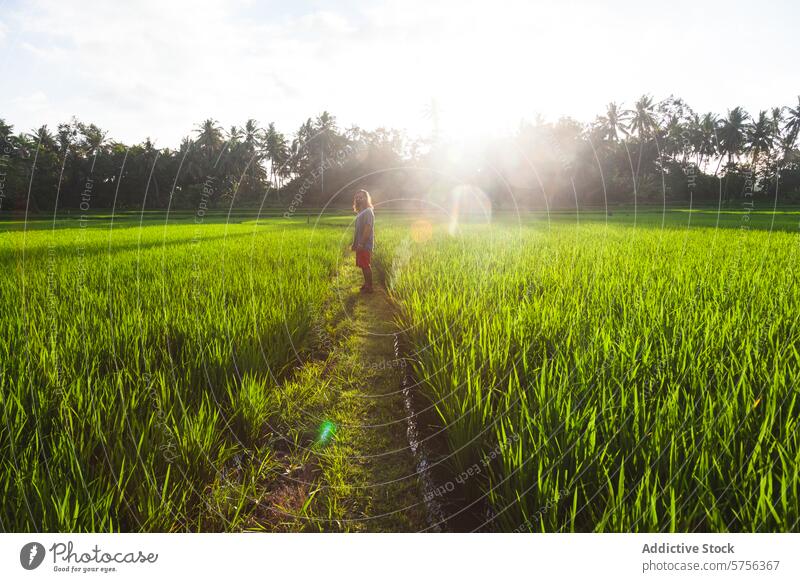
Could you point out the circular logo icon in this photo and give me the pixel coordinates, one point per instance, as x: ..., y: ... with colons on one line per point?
x: 31, y: 555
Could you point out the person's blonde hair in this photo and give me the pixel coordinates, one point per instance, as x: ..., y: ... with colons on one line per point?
x: 361, y: 200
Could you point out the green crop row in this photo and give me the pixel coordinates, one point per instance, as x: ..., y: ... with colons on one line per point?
x: 139, y: 365
x: 608, y: 378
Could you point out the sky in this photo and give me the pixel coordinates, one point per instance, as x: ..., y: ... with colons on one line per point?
x: 157, y: 68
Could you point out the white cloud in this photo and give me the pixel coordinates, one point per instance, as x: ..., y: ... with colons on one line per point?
x: 156, y: 68
x: 149, y: 67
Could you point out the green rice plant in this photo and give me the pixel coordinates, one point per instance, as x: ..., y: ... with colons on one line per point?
x: 633, y: 379
x: 253, y: 400
x: 137, y: 362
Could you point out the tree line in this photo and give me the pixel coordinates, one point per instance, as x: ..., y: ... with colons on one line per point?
x: 651, y: 151
x: 79, y: 167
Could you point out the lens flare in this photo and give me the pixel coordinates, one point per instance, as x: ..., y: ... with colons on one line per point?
x: 468, y: 203
x: 326, y: 432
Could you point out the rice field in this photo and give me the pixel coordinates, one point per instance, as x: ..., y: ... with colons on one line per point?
x: 590, y: 376
x: 139, y: 362
x: 608, y: 378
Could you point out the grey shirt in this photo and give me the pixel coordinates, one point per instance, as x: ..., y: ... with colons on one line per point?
x: 365, y: 217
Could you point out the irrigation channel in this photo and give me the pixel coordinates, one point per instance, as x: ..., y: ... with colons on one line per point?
x: 446, y: 509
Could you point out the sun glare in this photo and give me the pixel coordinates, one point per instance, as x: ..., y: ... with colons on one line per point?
x: 468, y: 203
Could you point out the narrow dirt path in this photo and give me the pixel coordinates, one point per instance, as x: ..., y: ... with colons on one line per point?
x: 347, y: 465
x: 368, y: 478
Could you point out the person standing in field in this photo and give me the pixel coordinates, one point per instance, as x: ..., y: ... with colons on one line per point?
x: 364, y: 236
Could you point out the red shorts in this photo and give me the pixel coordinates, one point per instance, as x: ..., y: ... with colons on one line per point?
x: 363, y: 258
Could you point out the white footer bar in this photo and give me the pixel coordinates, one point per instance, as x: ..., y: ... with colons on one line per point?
x: 406, y: 557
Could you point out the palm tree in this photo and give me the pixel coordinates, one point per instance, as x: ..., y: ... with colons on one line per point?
x: 760, y: 137
x: 708, y: 142
x: 234, y: 134
x: 252, y: 135
x: 44, y: 137
x: 5, y: 130
x: 613, y: 124
x: 301, y: 156
x: 210, y: 136
x: 93, y: 137
x: 277, y: 152
x: 674, y: 142
x: 776, y: 118
x: 776, y: 152
x: 695, y: 128
x: 326, y: 134
x: 643, y: 117
x: 732, y: 135
x: 732, y: 140
x: 210, y: 140
x: 643, y: 123
x: 792, y: 127
x: 613, y: 129
x: 246, y: 158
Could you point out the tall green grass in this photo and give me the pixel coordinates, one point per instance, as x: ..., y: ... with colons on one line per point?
x: 138, y: 364
x: 602, y: 377
x: 609, y: 378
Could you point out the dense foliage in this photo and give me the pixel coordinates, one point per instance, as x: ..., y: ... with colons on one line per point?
x: 653, y: 151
